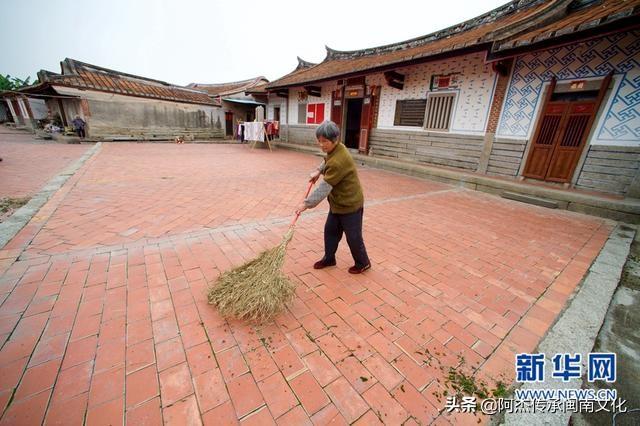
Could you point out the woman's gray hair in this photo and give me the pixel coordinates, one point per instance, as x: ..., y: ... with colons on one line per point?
x: 328, y: 130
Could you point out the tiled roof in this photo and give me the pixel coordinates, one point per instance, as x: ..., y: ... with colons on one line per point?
x: 582, y: 19
x: 224, y: 89
x: 86, y: 76
x: 260, y: 89
x: 519, y: 18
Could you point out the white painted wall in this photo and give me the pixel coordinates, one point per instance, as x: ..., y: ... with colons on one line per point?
x: 473, y: 99
x: 325, y: 92
x: 274, y: 102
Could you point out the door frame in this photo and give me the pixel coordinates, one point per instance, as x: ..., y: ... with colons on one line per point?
x: 604, y: 86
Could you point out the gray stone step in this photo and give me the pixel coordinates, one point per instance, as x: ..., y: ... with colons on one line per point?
x: 536, y: 201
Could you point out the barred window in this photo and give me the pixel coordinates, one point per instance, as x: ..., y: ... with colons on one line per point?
x: 410, y: 112
x: 439, y: 111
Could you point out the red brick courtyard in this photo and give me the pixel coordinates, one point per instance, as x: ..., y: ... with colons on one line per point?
x: 104, y: 316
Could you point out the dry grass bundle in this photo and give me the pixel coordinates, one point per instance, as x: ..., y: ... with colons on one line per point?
x: 258, y: 290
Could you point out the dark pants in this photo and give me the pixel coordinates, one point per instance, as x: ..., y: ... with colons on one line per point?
x: 80, y: 132
x: 351, y: 225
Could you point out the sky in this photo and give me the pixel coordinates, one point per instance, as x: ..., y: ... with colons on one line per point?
x: 214, y: 41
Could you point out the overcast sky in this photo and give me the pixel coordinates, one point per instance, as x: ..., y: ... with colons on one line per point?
x: 186, y: 41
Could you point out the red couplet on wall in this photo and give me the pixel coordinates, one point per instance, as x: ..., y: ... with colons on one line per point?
x: 315, y: 113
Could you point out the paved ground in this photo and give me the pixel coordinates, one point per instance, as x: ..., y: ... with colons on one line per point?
x: 104, y: 313
x: 28, y: 164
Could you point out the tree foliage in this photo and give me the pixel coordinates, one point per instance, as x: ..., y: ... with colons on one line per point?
x: 12, y: 83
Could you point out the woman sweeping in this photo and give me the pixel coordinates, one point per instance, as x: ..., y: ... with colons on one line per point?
x: 346, y: 201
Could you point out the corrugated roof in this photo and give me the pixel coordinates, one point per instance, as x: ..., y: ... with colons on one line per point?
x: 515, y: 20
x: 87, y: 76
x: 225, y: 89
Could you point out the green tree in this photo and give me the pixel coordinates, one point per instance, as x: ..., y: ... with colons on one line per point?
x: 12, y: 83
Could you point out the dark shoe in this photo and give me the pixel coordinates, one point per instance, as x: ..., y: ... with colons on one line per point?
x: 358, y: 270
x: 323, y: 264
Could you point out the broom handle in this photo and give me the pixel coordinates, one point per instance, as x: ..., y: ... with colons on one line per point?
x: 295, y: 219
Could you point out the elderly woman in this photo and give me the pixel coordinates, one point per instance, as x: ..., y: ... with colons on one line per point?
x: 342, y: 186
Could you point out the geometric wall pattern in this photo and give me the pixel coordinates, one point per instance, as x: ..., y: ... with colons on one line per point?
x: 594, y: 58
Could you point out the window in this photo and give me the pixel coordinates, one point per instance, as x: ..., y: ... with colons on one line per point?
x: 439, y: 110
x: 410, y: 112
x: 302, y: 113
x: 315, y: 113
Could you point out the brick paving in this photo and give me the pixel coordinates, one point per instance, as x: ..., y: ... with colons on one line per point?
x: 28, y: 164
x: 104, y: 315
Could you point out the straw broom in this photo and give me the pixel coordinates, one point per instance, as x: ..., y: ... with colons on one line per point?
x: 257, y: 290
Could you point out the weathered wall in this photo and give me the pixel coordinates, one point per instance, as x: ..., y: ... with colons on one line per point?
x: 437, y: 148
x: 325, y: 98
x: 506, y: 157
x: 114, y: 116
x: 610, y: 169
x: 299, y: 133
x: 5, y: 115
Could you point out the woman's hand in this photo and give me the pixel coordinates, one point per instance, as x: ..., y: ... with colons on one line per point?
x: 313, y: 177
x: 302, y: 207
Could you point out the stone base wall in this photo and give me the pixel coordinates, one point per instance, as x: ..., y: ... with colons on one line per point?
x: 442, y: 149
x: 506, y: 157
x: 610, y: 169
x: 300, y: 134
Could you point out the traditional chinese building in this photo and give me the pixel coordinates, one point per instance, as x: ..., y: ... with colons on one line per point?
x: 238, y: 99
x: 542, y: 90
x: 119, y: 106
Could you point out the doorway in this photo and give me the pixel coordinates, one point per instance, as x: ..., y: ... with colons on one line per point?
x: 352, y: 126
x: 276, y: 114
x: 562, y: 131
x: 228, y: 123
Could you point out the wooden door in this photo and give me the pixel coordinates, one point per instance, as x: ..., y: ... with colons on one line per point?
x: 545, y: 139
x: 561, y: 136
x: 228, y: 123
x: 336, y: 107
x: 365, y: 123
x: 570, y: 141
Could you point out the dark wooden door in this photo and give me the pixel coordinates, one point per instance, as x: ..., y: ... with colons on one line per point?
x: 570, y: 141
x: 561, y: 136
x: 365, y: 123
x: 336, y: 107
x: 228, y: 123
x: 545, y: 139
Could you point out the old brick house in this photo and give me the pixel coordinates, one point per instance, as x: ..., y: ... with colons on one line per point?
x: 543, y: 90
x: 120, y: 106
x: 238, y: 99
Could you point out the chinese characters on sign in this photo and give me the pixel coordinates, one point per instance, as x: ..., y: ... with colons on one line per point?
x: 600, y: 366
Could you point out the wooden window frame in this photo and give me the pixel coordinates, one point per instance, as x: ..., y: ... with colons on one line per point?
x: 443, y: 116
x: 397, y: 119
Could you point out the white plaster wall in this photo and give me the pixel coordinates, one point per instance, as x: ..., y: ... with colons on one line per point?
x: 473, y: 95
x: 276, y: 101
x: 325, y: 92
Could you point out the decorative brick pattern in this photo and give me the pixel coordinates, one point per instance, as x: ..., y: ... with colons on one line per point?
x: 619, y: 53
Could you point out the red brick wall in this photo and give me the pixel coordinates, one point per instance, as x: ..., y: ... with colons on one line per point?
x: 498, y: 99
